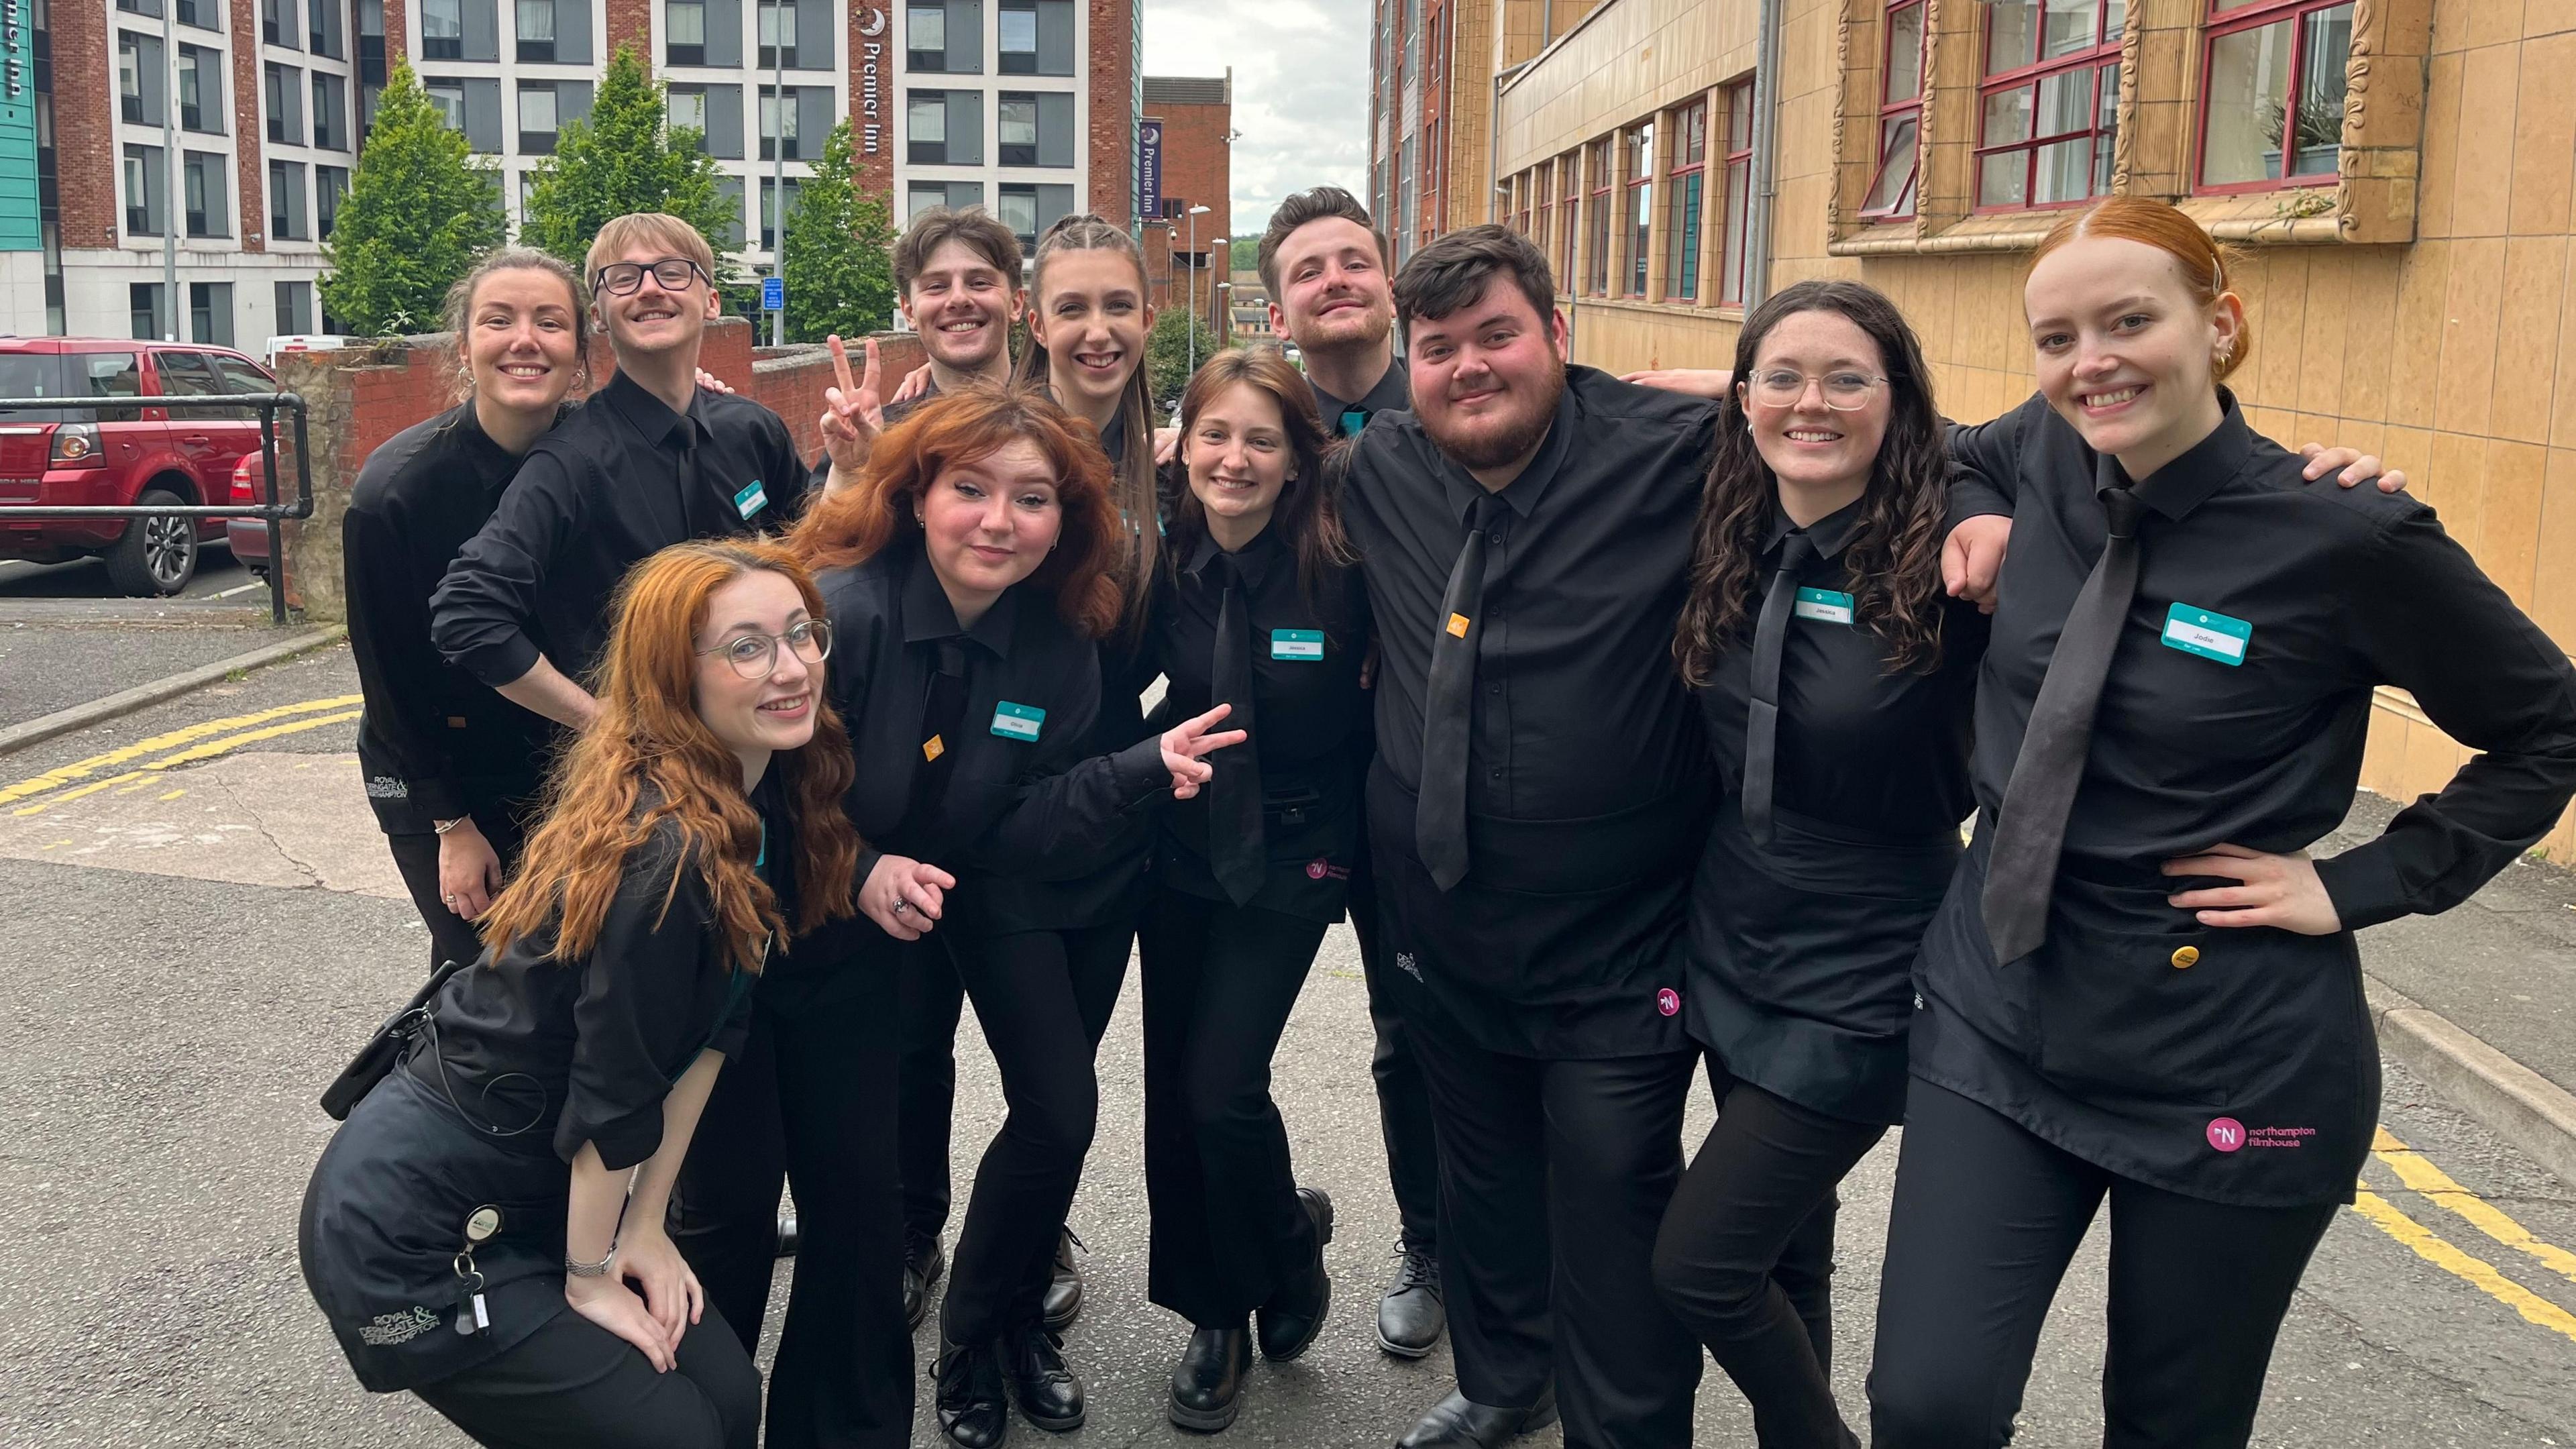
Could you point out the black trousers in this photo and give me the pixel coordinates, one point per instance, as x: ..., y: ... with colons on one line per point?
x: 1219, y: 982
x: 1985, y: 1219
x: 451, y: 936
x: 1554, y: 1175
x: 812, y: 1103
x: 573, y: 1384
x: 929, y: 998
x: 1403, y: 1101
x: 1745, y: 1258
x: 1043, y: 999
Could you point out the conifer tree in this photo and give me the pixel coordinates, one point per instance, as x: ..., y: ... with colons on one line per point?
x: 625, y: 157
x: 419, y: 210
x: 837, y: 256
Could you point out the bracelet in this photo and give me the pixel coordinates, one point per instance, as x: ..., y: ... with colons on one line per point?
x: 441, y: 827
x: 579, y: 1269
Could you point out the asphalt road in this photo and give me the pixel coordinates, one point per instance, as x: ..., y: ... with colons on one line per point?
x: 198, y: 944
x: 67, y: 637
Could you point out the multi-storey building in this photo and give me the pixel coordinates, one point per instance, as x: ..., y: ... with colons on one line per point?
x: 1027, y: 107
x: 1197, y: 116
x: 1431, y: 88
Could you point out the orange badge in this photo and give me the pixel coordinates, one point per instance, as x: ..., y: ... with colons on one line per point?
x: 1457, y: 626
x: 932, y: 748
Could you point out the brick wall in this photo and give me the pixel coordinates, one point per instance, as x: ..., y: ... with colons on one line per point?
x: 630, y: 23
x: 1195, y: 165
x: 1113, y: 91
x: 397, y: 34
x: 84, y: 125
x: 250, y: 177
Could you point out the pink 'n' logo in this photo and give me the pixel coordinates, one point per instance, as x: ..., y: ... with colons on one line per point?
x: 2226, y: 1134
x: 1315, y: 868
x: 1668, y: 1001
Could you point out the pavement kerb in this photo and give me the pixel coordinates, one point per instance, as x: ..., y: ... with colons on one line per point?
x: 143, y: 696
x: 2524, y: 1107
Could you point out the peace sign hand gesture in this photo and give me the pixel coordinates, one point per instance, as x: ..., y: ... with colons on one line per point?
x: 853, y: 414
x: 1186, y: 742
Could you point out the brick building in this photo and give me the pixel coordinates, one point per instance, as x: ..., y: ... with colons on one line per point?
x: 1432, y: 65
x: 1197, y: 113
x: 1027, y: 107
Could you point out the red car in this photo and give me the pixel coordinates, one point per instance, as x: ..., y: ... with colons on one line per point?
x: 93, y: 452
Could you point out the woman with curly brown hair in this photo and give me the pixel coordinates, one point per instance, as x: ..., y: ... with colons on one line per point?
x: 472, y: 1230
x: 1835, y: 679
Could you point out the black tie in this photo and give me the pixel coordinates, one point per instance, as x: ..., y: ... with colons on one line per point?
x: 1235, y: 845
x: 943, y: 704
x: 698, y: 507
x: 2030, y: 830
x: 1448, y: 708
x: 1762, y: 721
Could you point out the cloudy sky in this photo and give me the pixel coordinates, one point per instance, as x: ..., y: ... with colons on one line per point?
x: 1300, y: 88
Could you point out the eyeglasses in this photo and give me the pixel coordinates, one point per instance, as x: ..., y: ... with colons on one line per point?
x: 755, y: 656
x: 1844, y: 391
x: 622, y: 278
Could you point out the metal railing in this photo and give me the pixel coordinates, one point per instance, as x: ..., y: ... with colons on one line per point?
x: 272, y: 511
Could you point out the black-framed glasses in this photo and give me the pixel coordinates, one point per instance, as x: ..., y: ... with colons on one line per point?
x: 755, y: 656
x: 622, y: 278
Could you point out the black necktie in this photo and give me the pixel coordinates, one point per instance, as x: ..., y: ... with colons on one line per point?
x: 1235, y: 845
x: 2021, y: 871
x: 1762, y: 720
x: 1448, y: 708
x: 943, y: 704
x: 698, y: 509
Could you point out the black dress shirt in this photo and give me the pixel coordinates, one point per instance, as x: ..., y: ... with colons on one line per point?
x: 1802, y: 948
x: 1587, y: 779
x: 1392, y: 394
x: 597, y: 495
x: 434, y: 743
x: 2266, y: 612
x: 1310, y: 732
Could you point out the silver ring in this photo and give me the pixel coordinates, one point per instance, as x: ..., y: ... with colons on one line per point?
x: 451, y: 901
x: 902, y: 906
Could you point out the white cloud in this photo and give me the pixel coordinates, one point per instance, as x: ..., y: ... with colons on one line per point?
x: 1300, y: 89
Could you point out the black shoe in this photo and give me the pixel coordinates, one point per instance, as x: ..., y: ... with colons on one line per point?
x: 787, y: 1235
x: 1295, y: 1313
x: 1033, y: 1365
x: 1411, y: 1315
x: 1063, y: 1301
x: 1207, y: 1384
x: 974, y: 1411
x: 923, y: 1262
x: 1458, y: 1422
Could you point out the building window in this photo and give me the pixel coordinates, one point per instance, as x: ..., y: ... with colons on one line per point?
x: 1739, y: 192
x: 447, y: 97
x: 688, y: 111
x: 921, y: 196
x: 286, y: 201
x: 769, y: 211
x: 925, y: 37
x: 143, y: 299
x: 2274, y: 94
x: 294, y: 308
x: 1037, y: 37
x: 536, y: 118
x: 138, y: 78
x: 1900, y: 113
x: 2052, y: 83
x: 1599, y: 239
x: 1569, y: 185
x: 201, y: 89
x: 1036, y: 128
x: 778, y: 123
x: 944, y: 128
x: 330, y: 111
x: 330, y: 183
x: 1542, y: 179
x: 140, y: 7
x: 285, y: 87
x: 777, y: 31
x: 442, y: 29
x: 325, y: 32
x: 684, y: 31
x: 1637, y: 151
x: 208, y: 211
x: 537, y: 29
x: 1687, y: 196
x: 210, y: 319
x: 147, y: 190
x: 277, y: 23
x: 203, y: 14
x: 1030, y: 210
x: 1016, y: 129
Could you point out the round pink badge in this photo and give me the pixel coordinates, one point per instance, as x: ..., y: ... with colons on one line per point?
x: 1315, y: 869
x: 2226, y: 1134
x: 1668, y: 1001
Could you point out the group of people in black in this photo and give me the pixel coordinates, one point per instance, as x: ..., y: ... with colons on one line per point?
x: 1632, y: 722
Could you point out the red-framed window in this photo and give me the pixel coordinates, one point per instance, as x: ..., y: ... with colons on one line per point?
x: 2052, y: 84
x: 1522, y: 186
x: 1435, y: 190
x: 1900, y: 113
x: 2272, y: 93
x: 1542, y: 179
x: 1686, y: 198
x: 1739, y: 191
x: 1598, y: 234
x: 1637, y: 172
x: 1569, y: 184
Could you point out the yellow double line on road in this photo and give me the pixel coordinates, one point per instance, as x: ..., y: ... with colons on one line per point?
x: 2420, y: 1176
x: 185, y: 746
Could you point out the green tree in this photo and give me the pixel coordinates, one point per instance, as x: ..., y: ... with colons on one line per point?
x: 1245, y: 253
x: 625, y: 157
x: 1167, y: 353
x: 837, y: 257
x: 418, y: 212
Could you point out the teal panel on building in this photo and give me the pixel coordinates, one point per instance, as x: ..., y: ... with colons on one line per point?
x: 18, y: 229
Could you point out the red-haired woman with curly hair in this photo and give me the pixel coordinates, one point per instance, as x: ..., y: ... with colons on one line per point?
x: 696, y: 825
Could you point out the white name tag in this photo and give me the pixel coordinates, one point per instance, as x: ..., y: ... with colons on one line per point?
x: 1829, y: 606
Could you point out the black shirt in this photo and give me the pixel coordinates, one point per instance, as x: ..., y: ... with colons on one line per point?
x: 1587, y: 776
x: 601, y: 492
x: 1393, y: 393
x: 1310, y: 717
x: 434, y: 744
x: 2267, y: 610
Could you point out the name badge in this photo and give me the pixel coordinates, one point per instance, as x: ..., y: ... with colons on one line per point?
x: 1017, y: 721
x: 751, y: 499
x: 1823, y: 605
x: 1296, y: 643
x: 2209, y: 635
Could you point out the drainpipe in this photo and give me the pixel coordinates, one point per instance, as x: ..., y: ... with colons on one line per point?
x: 1766, y: 131
x: 1494, y: 134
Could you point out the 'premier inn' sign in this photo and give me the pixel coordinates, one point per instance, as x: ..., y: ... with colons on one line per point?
x: 868, y: 66
x: 18, y: 230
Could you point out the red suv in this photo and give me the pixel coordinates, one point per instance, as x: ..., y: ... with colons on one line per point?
x: 93, y: 451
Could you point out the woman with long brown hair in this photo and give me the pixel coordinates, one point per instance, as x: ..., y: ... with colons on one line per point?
x: 688, y: 833
x: 1834, y: 677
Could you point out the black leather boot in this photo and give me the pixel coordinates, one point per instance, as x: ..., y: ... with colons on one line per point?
x: 1411, y: 1315
x: 1041, y: 1382
x: 1207, y: 1384
x: 1296, y: 1311
x: 974, y: 1411
x: 1458, y: 1422
x: 923, y: 1262
x: 1063, y: 1301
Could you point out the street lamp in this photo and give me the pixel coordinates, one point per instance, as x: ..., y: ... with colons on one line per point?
x: 1195, y: 213
x: 1224, y: 305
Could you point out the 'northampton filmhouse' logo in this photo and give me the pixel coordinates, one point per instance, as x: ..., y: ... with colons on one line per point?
x: 2228, y: 1135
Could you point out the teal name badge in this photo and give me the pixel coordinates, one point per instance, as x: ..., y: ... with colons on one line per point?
x: 1296, y: 643
x: 2209, y: 635
x: 751, y: 500
x: 1823, y: 605
x: 1017, y: 721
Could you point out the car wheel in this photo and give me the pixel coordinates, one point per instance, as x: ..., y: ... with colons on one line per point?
x: 157, y: 556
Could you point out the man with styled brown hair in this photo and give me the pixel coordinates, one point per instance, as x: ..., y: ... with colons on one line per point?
x: 957, y: 280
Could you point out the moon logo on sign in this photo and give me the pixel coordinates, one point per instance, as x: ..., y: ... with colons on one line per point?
x: 875, y: 24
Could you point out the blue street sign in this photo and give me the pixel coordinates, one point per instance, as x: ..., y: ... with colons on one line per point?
x: 773, y: 294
